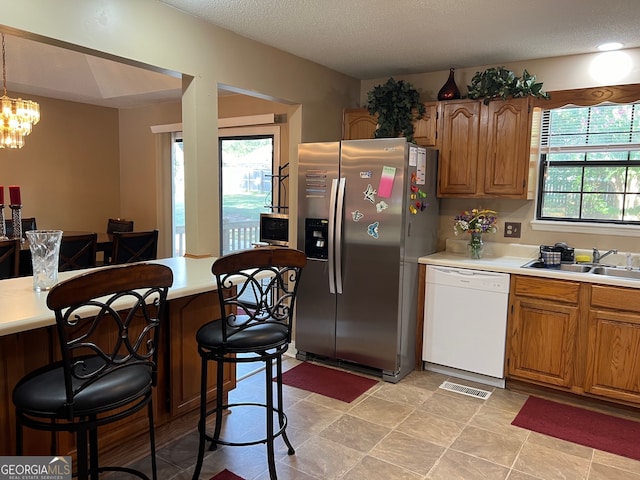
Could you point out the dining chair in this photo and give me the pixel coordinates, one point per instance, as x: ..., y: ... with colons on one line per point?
x: 119, y: 225
x: 77, y: 251
x: 9, y: 258
x: 131, y: 247
x: 108, y: 326
x: 256, y: 292
x: 115, y: 225
x: 28, y: 223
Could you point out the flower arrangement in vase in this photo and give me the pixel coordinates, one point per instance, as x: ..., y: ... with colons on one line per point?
x: 476, y: 222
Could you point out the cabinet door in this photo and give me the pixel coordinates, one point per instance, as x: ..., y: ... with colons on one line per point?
x: 505, y: 143
x: 186, y: 316
x: 458, y: 141
x: 541, y: 341
x: 358, y: 124
x: 424, y: 132
x: 613, y: 355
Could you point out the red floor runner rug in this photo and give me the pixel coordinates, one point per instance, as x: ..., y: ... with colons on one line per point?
x: 585, y: 427
x: 327, y: 381
x: 226, y: 475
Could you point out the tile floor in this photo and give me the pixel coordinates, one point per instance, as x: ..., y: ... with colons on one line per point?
x: 411, y: 430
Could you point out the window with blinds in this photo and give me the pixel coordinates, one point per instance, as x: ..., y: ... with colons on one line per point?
x: 590, y: 164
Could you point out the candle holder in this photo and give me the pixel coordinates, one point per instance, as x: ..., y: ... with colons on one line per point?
x: 16, y: 216
x: 3, y: 225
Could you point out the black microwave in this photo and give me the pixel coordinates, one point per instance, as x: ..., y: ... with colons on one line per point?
x: 274, y: 229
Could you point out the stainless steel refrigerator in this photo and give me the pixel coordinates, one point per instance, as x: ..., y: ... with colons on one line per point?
x: 367, y: 209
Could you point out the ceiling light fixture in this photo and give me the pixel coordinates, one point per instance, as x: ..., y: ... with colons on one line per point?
x: 607, y: 47
x: 18, y: 116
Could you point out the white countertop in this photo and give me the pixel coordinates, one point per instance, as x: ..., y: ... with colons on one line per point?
x: 509, y: 258
x: 23, y: 309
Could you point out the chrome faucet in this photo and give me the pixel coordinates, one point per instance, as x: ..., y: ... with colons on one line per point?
x: 597, y: 257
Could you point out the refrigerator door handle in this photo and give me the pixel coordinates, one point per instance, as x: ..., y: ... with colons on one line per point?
x: 331, y: 233
x: 338, y: 238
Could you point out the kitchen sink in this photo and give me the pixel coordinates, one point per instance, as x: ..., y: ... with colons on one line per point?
x: 590, y: 268
x: 567, y: 267
x: 575, y: 267
x: 616, y: 272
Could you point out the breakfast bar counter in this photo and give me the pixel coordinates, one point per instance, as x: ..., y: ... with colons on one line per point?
x: 28, y: 340
x: 23, y: 309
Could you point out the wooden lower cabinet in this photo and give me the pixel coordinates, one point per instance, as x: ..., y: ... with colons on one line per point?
x: 542, y: 330
x: 177, y: 392
x: 613, y: 355
x: 578, y: 337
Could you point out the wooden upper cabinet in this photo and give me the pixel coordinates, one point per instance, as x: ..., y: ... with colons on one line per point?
x: 506, y: 147
x: 484, y: 149
x: 358, y: 124
x: 425, y: 129
x: 459, y: 130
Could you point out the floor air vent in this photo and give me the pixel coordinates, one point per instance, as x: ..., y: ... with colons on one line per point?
x: 463, y: 389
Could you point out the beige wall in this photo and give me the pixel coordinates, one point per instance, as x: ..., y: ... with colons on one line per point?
x: 559, y: 73
x: 145, y: 182
x: 106, y: 162
x: 564, y: 73
x: 69, y: 168
x: 139, y: 161
x: 208, y: 56
x: 314, y: 97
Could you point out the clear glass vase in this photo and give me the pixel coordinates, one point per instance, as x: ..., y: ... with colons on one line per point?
x: 475, y: 246
x: 44, y: 246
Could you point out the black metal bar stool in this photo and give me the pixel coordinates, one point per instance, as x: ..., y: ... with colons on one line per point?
x: 108, y: 325
x: 256, y: 290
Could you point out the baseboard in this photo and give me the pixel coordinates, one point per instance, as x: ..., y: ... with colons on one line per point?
x: 471, y: 376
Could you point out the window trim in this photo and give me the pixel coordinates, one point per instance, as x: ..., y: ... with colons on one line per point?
x: 584, y: 97
x: 621, y: 230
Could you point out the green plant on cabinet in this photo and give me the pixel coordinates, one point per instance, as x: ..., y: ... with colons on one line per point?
x: 498, y: 82
x: 397, y: 105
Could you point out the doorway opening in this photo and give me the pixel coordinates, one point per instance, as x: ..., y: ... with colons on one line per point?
x: 248, y: 162
x: 178, y: 231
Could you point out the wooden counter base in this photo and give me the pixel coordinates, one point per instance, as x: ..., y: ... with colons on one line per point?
x: 176, y: 395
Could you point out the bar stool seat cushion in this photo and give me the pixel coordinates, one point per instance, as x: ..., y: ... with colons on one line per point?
x: 44, y: 392
x: 264, y: 336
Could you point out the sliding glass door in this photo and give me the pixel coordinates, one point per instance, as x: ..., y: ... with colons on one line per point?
x: 246, y: 176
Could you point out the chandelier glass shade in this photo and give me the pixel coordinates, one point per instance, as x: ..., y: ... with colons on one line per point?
x: 17, y: 115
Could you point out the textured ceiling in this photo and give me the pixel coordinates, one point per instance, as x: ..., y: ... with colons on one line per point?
x: 362, y: 38
x: 377, y: 38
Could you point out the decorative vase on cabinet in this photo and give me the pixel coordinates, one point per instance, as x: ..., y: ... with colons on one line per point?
x: 449, y: 90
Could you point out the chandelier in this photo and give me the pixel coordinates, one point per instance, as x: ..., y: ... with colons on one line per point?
x: 18, y: 116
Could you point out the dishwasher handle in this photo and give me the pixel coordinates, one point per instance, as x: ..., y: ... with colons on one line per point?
x: 495, y: 281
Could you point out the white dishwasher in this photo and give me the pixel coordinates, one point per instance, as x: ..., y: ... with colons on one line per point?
x: 465, y: 323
